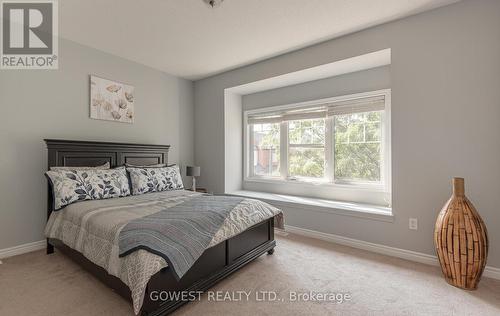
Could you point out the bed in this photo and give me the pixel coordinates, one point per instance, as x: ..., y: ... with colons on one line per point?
x: 237, y: 244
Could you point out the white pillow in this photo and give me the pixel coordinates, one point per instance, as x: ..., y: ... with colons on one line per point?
x: 104, y: 166
x: 159, y: 165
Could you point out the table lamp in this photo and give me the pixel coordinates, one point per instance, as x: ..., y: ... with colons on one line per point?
x: 193, y: 171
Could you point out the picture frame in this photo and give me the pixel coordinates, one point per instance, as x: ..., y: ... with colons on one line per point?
x: 111, y: 100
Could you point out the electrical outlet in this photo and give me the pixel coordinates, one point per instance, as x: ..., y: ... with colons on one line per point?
x: 413, y: 224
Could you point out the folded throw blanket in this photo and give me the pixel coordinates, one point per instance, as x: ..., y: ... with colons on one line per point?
x: 179, y: 234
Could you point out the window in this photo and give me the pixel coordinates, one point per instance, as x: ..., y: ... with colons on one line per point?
x: 357, y: 152
x: 306, y: 148
x: 266, y: 149
x: 341, y: 142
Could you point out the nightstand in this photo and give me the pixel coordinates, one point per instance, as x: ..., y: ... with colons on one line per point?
x: 201, y: 190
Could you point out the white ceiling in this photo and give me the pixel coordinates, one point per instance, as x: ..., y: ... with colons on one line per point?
x: 187, y: 38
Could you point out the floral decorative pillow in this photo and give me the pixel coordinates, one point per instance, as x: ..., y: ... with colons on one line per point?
x: 69, y: 186
x: 145, y: 180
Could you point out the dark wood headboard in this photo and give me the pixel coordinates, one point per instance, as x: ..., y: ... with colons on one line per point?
x: 73, y: 153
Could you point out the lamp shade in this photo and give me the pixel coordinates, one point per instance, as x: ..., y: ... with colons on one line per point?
x: 192, y: 171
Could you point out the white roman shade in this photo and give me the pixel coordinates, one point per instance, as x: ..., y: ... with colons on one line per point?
x: 314, y: 112
x: 367, y: 104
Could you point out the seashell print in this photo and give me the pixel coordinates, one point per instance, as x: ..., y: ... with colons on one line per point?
x: 129, y: 97
x: 121, y: 103
x: 108, y: 106
x: 116, y: 115
x: 129, y: 114
x: 113, y: 88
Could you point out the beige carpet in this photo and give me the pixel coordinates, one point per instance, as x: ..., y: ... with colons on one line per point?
x: 36, y: 284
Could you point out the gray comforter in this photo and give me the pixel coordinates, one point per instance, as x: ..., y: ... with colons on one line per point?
x: 93, y: 227
x: 179, y: 234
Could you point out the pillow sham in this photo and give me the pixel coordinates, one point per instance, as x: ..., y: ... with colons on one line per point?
x: 159, y: 165
x: 70, y: 186
x: 145, y: 180
x: 103, y: 166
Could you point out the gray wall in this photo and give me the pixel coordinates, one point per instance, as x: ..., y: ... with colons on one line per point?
x: 55, y: 104
x: 445, y: 79
x: 361, y: 81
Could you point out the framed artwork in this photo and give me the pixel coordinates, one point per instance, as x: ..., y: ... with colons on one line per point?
x: 111, y: 100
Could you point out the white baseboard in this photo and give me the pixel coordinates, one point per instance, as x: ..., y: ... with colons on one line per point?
x: 489, y: 272
x: 21, y: 249
x: 492, y: 272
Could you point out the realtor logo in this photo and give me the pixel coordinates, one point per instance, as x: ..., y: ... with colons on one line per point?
x: 29, y: 35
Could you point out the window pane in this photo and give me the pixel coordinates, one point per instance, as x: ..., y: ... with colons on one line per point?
x: 306, y: 162
x: 357, y: 153
x: 306, y: 152
x: 373, y: 132
x: 266, y: 149
x: 307, y: 132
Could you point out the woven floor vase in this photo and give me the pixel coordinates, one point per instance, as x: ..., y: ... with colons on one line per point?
x: 461, y: 240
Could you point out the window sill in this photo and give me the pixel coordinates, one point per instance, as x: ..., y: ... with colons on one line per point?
x: 360, y: 210
x: 310, y: 183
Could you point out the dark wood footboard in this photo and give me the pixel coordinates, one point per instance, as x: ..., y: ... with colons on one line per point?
x: 214, y: 265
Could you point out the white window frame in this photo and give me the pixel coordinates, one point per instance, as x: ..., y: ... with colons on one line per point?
x: 329, y: 184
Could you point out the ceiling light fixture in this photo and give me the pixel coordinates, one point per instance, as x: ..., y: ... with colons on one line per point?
x: 213, y: 3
